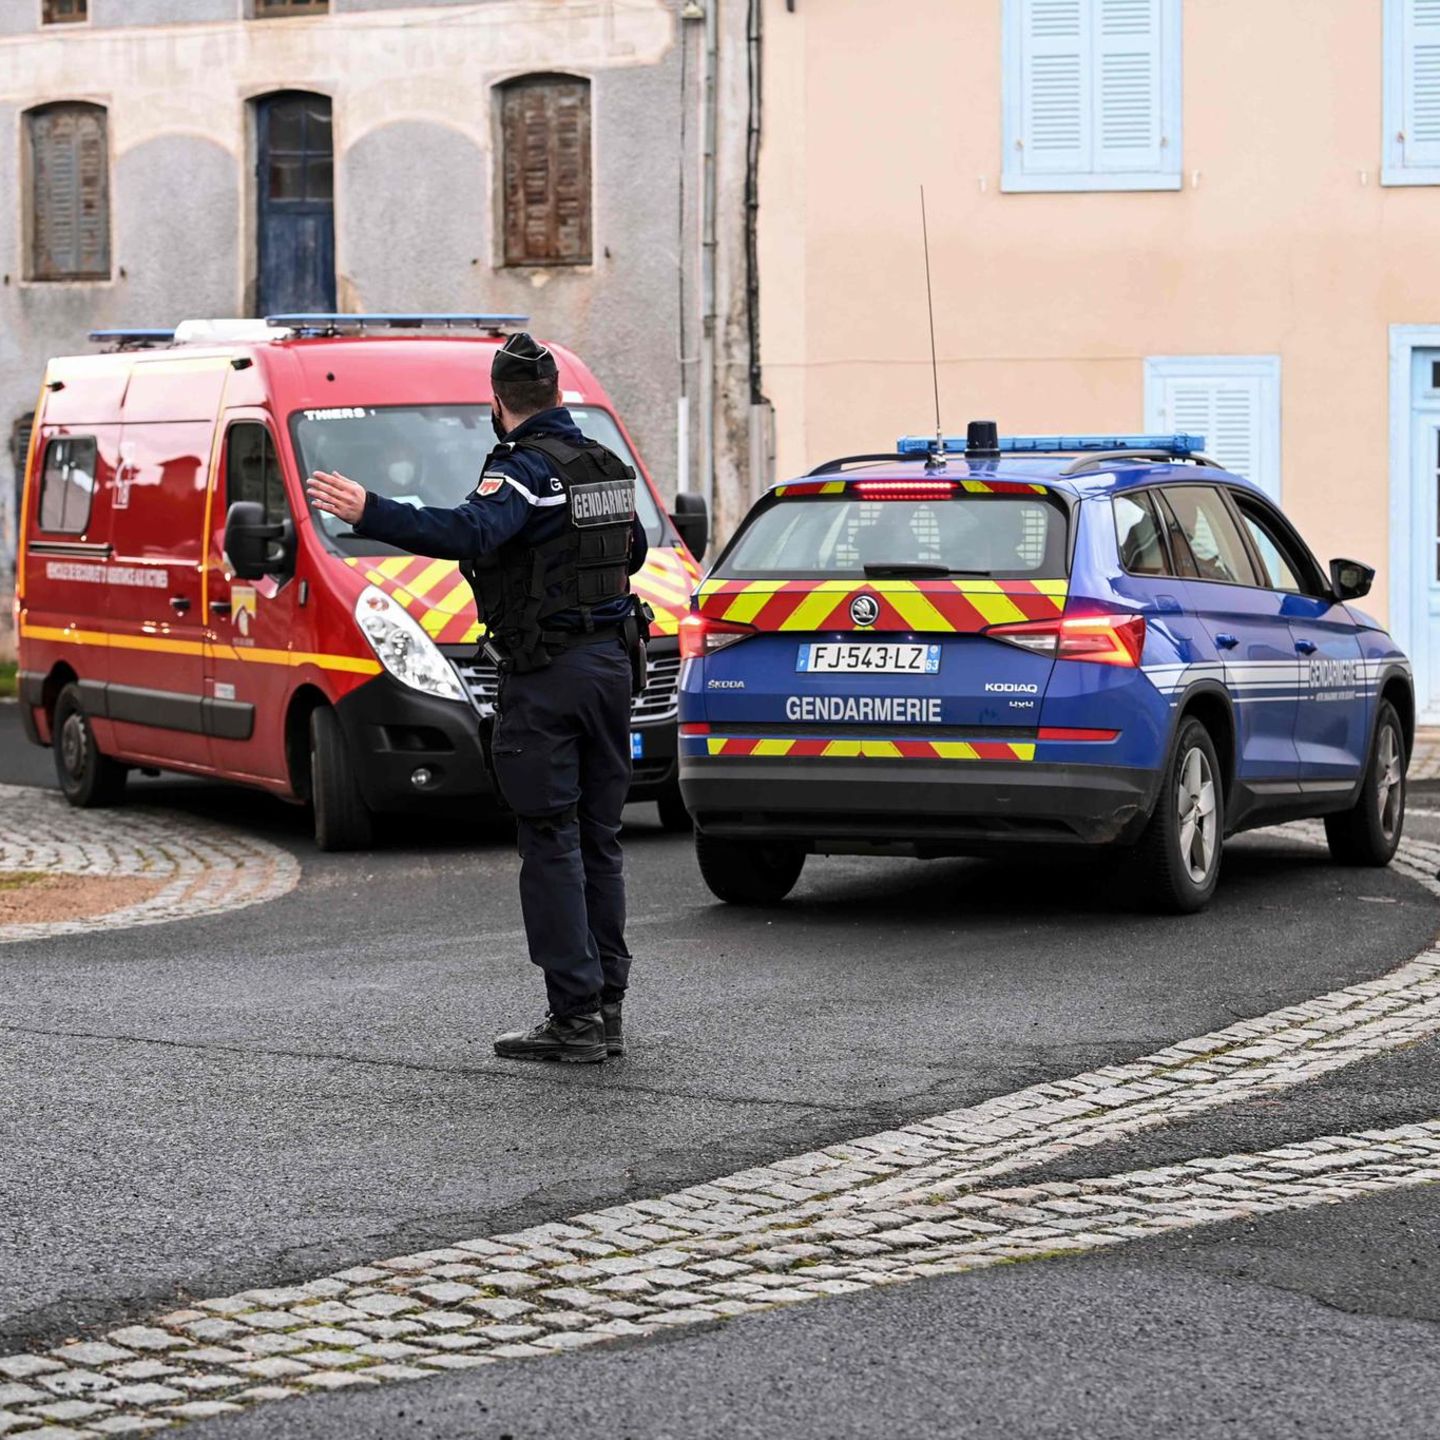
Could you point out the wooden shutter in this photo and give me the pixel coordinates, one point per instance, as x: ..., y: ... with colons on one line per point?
x: 1127, y: 121
x: 545, y: 138
x: 1055, y: 85
x: 70, y: 193
x: 1420, y: 117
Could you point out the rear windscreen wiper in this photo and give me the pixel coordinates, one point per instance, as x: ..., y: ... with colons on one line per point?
x: 903, y: 571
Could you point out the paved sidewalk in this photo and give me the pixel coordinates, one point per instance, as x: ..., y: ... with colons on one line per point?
x: 205, y: 869
x: 1425, y: 762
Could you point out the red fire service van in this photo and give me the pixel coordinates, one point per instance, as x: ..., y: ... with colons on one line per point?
x: 180, y: 607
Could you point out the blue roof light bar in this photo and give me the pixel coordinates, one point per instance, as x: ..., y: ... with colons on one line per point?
x: 129, y: 335
x: 326, y: 323
x: 1178, y: 444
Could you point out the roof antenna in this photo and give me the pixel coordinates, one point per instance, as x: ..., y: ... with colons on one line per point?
x: 936, y: 458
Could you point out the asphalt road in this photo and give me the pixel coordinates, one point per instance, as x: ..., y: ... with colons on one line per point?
x: 199, y: 1107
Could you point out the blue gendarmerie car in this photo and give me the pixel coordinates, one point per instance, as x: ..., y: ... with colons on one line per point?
x: 981, y: 643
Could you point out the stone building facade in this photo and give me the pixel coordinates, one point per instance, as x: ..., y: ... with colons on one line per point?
x: 165, y: 113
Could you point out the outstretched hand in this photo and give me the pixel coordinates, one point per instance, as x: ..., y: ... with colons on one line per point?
x: 335, y: 495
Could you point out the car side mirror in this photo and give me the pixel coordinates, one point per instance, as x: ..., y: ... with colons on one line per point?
x: 1350, y: 579
x: 256, y: 547
x: 691, y: 517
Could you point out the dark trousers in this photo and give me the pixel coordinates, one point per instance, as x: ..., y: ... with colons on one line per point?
x: 561, y: 751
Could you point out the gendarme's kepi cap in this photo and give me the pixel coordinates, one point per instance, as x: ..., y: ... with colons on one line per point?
x: 521, y: 358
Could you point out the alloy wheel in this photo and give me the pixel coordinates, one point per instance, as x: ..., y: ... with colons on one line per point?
x: 1195, y: 807
x: 1389, y: 780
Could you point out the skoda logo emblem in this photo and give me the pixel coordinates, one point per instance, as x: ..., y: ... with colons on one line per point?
x: 864, y: 609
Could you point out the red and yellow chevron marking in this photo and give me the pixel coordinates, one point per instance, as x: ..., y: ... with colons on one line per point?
x: 876, y: 749
x: 440, y: 598
x: 970, y: 487
x: 927, y: 606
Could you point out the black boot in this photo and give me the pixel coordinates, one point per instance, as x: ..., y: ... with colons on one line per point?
x: 614, y: 1028
x: 574, y: 1039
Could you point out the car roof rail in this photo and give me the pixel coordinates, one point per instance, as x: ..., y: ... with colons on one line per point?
x: 833, y: 467
x: 1108, y: 457
x: 129, y: 337
x: 335, y: 323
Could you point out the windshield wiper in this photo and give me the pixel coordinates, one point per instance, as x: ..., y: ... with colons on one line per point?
x: 902, y: 570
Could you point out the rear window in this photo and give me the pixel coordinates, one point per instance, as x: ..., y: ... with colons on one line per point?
x: 1000, y: 537
x: 67, y: 485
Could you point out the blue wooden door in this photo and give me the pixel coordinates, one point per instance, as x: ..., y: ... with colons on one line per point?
x: 1417, y: 625
x: 297, y: 204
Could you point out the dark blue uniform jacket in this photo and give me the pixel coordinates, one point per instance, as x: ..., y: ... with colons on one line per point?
x: 529, y: 503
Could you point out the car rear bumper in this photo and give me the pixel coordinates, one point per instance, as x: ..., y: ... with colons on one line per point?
x: 916, y: 806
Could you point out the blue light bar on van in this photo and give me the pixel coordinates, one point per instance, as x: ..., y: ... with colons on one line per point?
x: 1179, y: 444
x: 130, y: 336
x: 322, y: 323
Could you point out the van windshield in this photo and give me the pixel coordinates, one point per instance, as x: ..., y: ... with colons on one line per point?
x: 426, y: 455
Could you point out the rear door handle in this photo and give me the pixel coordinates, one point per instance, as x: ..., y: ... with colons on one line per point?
x: 220, y: 607
x: 1306, y: 647
x: 179, y: 603
x: 1227, y: 642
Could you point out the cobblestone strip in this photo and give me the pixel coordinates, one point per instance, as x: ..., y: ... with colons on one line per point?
x: 876, y: 1210
x: 636, y: 1271
x: 211, y: 869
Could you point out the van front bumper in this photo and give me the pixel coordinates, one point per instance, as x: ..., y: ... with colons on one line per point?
x: 917, y: 807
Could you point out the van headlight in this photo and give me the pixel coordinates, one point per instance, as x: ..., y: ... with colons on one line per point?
x: 403, y: 648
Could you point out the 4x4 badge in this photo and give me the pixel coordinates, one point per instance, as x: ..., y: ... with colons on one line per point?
x: 864, y: 609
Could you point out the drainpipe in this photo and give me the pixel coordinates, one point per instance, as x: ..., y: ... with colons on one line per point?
x: 710, y: 125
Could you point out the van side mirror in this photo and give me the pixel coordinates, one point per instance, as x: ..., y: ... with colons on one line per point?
x: 255, y: 546
x: 691, y: 517
x: 1350, y: 579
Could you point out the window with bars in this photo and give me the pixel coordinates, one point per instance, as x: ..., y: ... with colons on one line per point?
x: 545, y: 170
x: 68, y: 172
x: 1092, y: 95
x: 64, y: 12
x: 271, y: 9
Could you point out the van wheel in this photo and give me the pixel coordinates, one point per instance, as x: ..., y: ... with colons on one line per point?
x: 342, y: 820
x: 87, y: 778
x: 1369, y: 832
x: 1178, y: 855
x: 748, y: 872
x: 671, y: 805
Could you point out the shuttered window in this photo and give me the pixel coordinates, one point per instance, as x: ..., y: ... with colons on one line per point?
x: 1092, y: 95
x: 1232, y: 400
x: 545, y: 169
x: 268, y: 9
x: 68, y: 162
x: 64, y: 12
x: 1412, y: 92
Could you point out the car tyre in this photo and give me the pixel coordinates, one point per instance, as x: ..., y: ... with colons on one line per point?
x: 671, y: 805
x: 88, y: 779
x: 342, y: 819
x: 1369, y: 832
x: 1178, y: 855
x: 748, y: 872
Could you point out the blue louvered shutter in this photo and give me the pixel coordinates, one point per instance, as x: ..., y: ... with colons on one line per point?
x: 1127, y: 86
x: 1420, y: 80
x: 1056, y: 103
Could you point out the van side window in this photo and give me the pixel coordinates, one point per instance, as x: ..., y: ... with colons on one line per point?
x: 1214, y: 539
x: 1142, y: 547
x: 252, y: 470
x: 67, y: 485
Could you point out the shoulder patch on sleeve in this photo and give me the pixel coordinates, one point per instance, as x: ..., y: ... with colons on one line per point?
x: 489, y: 484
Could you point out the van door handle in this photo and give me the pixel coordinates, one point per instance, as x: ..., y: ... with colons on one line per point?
x: 1306, y: 647
x: 1227, y: 642
x: 220, y: 607
x: 179, y: 603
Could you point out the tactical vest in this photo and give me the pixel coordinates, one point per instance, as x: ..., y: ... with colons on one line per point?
x: 521, y: 585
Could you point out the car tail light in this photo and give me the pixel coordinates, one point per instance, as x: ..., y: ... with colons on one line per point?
x: 903, y: 489
x: 700, y: 635
x: 1101, y: 639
